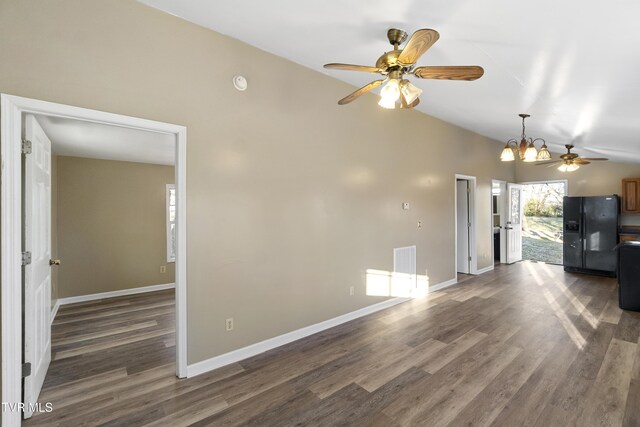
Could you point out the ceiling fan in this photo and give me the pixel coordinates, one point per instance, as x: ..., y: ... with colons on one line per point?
x: 570, y: 161
x: 398, y: 62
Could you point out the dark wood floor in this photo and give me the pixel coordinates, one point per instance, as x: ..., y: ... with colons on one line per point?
x: 523, y: 345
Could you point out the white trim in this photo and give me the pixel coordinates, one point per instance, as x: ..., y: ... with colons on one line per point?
x: 501, y: 213
x: 170, y: 257
x: 181, y: 252
x: 271, y: 343
x: 473, y: 250
x: 55, y: 309
x: 11, y: 110
x: 553, y: 181
x: 11, y: 246
x: 484, y: 270
x: 503, y: 221
x: 443, y: 285
x: 113, y: 294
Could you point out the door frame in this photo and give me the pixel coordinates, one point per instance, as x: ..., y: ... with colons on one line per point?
x: 502, y: 211
x: 546, y: 181
x: 473, y: 250
x: 12, y: 109
x: 553, y: 181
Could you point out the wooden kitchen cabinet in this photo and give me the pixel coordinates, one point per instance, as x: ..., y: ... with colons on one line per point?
x: 631, y: 195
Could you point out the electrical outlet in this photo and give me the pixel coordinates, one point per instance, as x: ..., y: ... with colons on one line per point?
x: 419, y: 224
x: 229, y: 324
x: 352, y: 290
x: 163, y: 269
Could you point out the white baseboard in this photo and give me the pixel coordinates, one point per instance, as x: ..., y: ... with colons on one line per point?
x: 271, y: 343
x: 443, y: 285
x: 54, y: 310
x: 484, y: 270
x: 123, y: 292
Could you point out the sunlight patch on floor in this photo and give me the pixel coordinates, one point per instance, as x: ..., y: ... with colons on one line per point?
x: 566, y: 323
x: 579, y: 306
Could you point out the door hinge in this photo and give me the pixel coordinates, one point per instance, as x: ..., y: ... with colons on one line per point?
x: 469, y: 258
x: 26, y: 146
x: 26, y: 369
x: 469, y: 224
x: 26, y: 258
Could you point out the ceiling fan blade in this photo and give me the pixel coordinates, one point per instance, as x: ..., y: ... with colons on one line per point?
x: 418, y: 44
x: 593, y: 158
x: 364, y: 89
x: 548, y: 162
x: 580, y: 161
x: 464, y: 72
x: 351, y: 67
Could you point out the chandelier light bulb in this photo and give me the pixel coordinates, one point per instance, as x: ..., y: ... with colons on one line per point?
x: 531, y: 153
x: 507, y: 154
x: 544, y: 153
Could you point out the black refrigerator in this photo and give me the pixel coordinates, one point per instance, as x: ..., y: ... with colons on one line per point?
x: 590, y: 234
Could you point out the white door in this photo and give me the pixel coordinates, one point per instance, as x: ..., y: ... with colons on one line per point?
x: 462, y: 225
x: 513, y: 225
x: 37, y: 274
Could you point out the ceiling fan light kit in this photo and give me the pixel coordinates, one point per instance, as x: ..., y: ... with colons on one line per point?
x: 409, y: 91
x: 398, y: 62
x: 569, y: 161
x: 526, y: 147
x: 390, y: 92
x: 568, y: 167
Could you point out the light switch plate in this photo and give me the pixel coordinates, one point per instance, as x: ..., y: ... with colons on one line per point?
x: 405, y: 206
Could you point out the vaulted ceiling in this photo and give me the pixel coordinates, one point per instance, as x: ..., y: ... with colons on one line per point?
x: 78, y: 138
x: 574, y: 65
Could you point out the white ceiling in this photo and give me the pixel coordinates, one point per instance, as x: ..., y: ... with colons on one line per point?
x: 70, y: 137
x: 572, y: 64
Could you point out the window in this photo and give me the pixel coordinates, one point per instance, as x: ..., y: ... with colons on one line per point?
x: 171, y: 223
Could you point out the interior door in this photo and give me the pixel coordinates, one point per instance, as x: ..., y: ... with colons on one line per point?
x: 513, y: 225
x: 463, y: 224
x: 37, y: 274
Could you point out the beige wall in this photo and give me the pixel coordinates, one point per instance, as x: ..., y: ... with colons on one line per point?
x: 290, y: 196
x: 596, y: 179
x: 111, y: 225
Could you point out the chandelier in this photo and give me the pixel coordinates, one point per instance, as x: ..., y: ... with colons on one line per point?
x: 525, y: 147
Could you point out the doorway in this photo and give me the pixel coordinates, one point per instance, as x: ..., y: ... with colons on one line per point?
x: 542, y: 221
x: 14, y: 110
x: 465, y: 229
x: 506, y: 221
x: 498, y: 220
